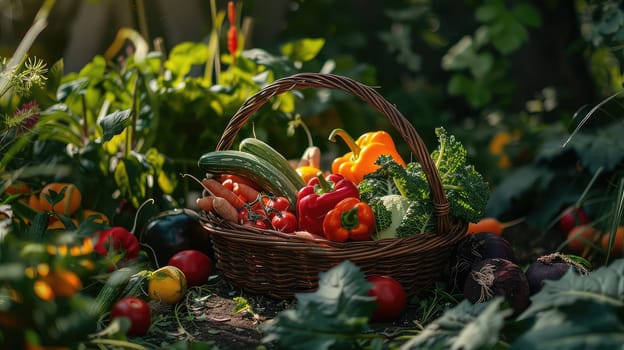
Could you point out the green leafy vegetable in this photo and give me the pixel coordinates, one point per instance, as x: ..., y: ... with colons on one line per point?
x: 466, y: 326
x: 465, y: 189
x: 332, y: 317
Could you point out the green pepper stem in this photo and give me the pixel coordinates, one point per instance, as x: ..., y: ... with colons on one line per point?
x: 349, y: 219
x: 347, y: 139
x: 324, y: 185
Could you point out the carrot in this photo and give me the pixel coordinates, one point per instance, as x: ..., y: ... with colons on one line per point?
x: 217, y: 189
x: 492, y: 225
x: 249, y: 193
x: 225, y: 209
x: 239, y: 179
x: 206, y: 203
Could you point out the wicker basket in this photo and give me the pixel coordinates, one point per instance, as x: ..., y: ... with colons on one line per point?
x: 279, y: 265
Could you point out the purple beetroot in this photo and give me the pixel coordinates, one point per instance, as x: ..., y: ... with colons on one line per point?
x: 498, y: 277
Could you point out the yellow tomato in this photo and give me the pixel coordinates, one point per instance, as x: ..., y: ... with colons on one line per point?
x: 167, y: 284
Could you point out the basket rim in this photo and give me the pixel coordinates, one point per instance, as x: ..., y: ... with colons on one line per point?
x: 366, y: 93
x: 317, y: 246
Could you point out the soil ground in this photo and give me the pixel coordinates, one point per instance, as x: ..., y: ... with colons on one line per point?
x: 210, y: 314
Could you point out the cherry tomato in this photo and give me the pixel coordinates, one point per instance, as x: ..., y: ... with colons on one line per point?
x: 278, y: 203
x: 195, y: 265
x: 572, y: 217
x: 284, y: 221
x: 135, y: 309
x: 391, y: 298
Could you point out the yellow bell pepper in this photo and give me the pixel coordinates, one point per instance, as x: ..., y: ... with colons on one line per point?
x: 364, y: 152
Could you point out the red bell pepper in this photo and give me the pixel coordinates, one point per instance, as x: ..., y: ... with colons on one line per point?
x: 319, y: 196
x: 349, y: 220
x: 118, y: 238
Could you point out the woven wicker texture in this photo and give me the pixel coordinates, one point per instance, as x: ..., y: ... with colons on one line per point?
x: 279, y: 265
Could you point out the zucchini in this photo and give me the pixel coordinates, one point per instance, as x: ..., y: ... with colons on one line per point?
x: 256, y: 169
x: 265, y: 151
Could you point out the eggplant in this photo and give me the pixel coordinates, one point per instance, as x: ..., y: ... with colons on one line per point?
x: 474, y: 248
x: 172, y: 231
x: 551, y: 267
x: 498, y: 277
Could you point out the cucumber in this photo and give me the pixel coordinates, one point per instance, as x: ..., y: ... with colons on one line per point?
x: 111, y: 290
x: 265, y: 151
x: 256, y: 169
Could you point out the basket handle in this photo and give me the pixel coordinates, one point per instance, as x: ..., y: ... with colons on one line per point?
x: 369, y: 95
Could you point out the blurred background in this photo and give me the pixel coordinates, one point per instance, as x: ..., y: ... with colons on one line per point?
x: 512, y: 79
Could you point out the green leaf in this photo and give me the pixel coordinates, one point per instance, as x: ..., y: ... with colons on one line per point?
x: 77, y: 86
x: 460, y: 56
x: 459, y: 84
x: 482, y: 65
x: 114, y: 123
x: 490, y: 11
x: 508, y: 34
x: 581, y: 325
x: 302, y: 50
x: 603, y: 286
x: 513, y: 186
x: 527, y: 14
x: 466, y: 326
x: 184, y: 55
x: 334, y: 316
x: 600, y: 148
x: 130, y: 180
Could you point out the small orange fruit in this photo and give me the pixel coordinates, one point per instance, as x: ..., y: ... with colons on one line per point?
x: 70, y: 202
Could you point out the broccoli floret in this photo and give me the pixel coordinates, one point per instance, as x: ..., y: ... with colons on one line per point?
x: 389, y: 211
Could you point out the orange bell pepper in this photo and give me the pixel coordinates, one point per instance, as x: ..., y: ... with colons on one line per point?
x: 350, y: 219
x: 364, y: 152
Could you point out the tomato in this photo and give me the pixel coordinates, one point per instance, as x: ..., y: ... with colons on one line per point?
x: 137, y: 311
x: 391, y: 298
x: 572, y: 217
x: 618, y: 242
x: 581, y: 237
x: 278, y: 203
x: 195, y: 265
x: 167, y: 285
x: 284, y: 221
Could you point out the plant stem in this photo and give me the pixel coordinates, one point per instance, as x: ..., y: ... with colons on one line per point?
x: 39, y: 24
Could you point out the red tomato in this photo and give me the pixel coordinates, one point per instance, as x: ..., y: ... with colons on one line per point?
x: 572, y: 217
x: 284, y: 221
x: 391, y: 298
x: 278, y: 203
x: 135, y: 309
x: 195, y: 265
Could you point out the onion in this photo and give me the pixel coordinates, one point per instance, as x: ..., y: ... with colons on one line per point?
x: 498, y: 277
